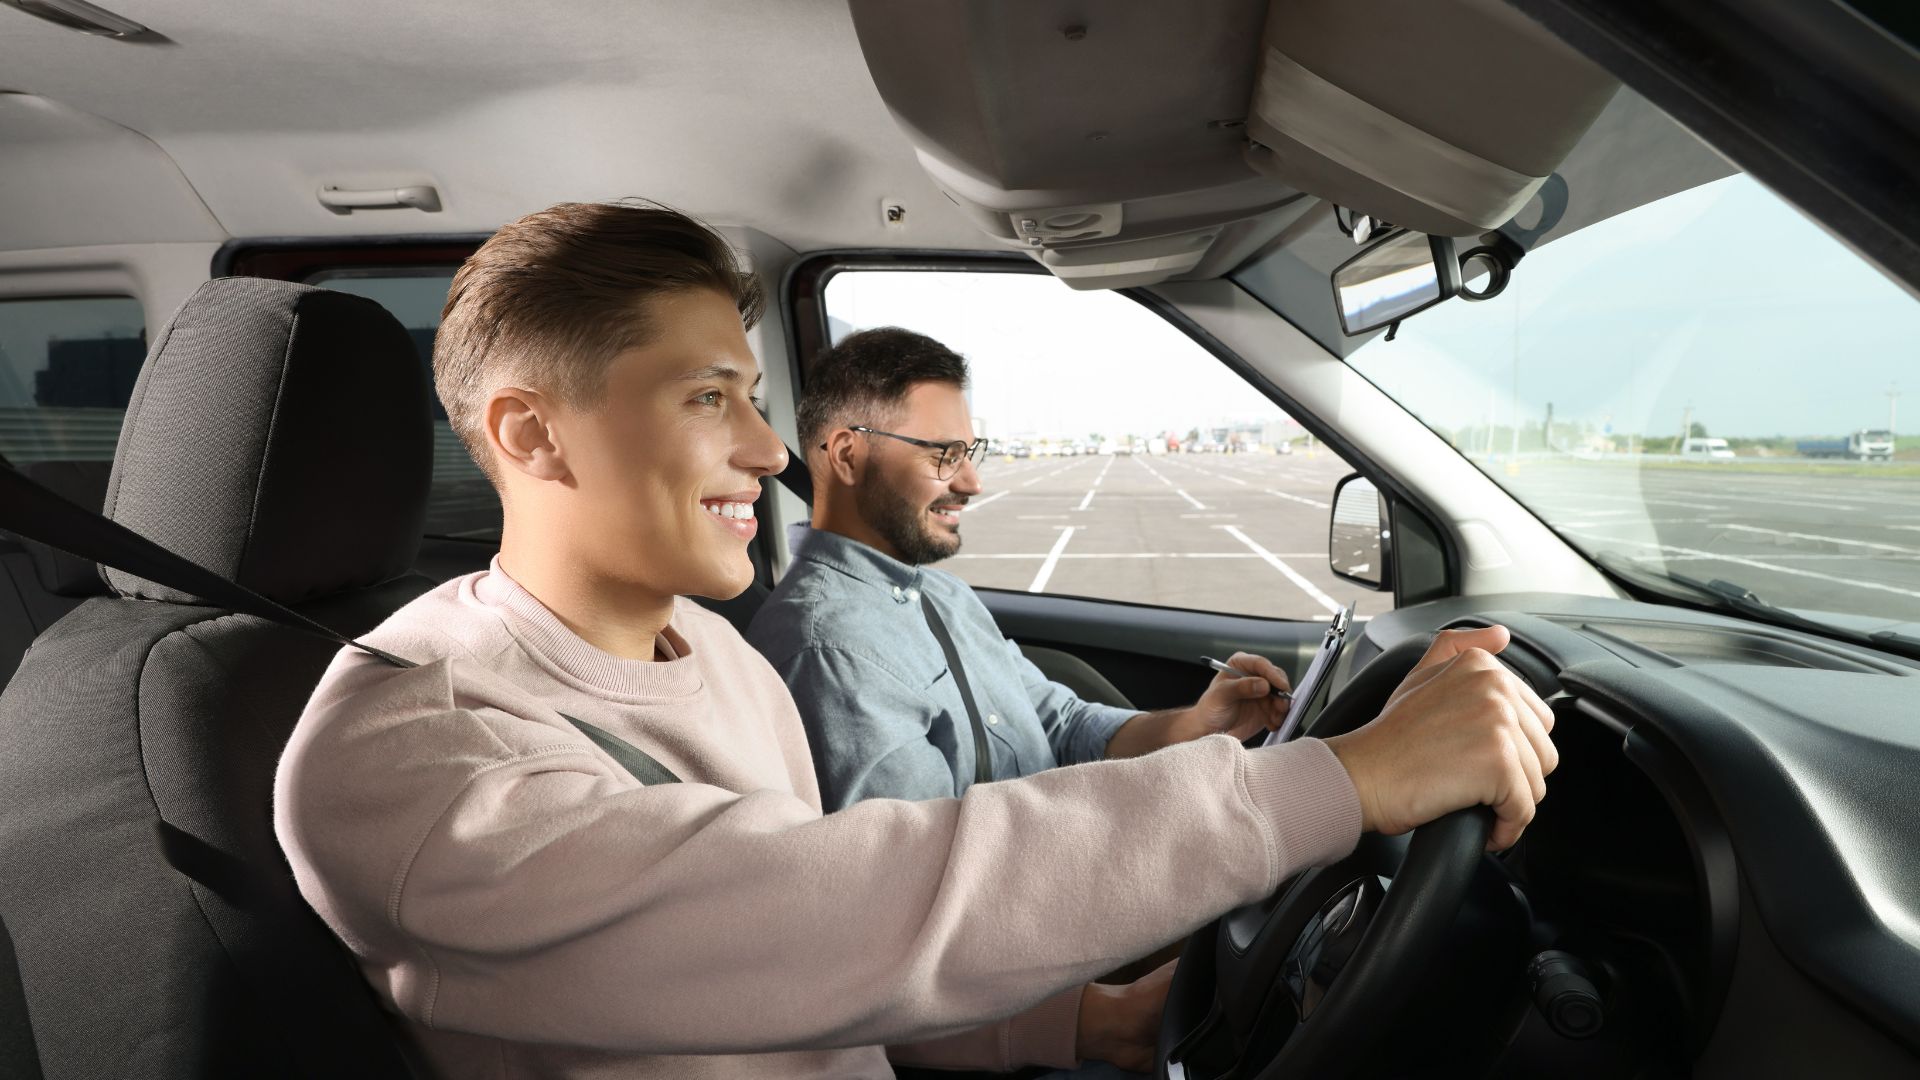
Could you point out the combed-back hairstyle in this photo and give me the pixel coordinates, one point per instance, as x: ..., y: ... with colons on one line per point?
x: 552, y: 298
x: 867, y: 376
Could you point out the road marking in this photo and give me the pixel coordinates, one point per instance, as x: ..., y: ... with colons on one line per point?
x: 1154, y: 471
x: 1299, y: 499
x: 1088, y: 501
x: 1209, y: 515
x: 1292, y: 575
x: 1053, y: 560
x: 978, y: 503
x: 1826, y: 539
x: 1197, y: 504
x: 1755, y: 563
x: 1103, y: 474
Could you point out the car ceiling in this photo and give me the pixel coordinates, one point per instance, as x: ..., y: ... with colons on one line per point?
x: 748, y: 113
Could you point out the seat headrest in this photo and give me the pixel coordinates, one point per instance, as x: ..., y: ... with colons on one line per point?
x: 279, y: 435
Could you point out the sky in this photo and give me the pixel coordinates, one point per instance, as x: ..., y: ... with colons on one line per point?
x: 1721, y: 298
x: 1046, y: 359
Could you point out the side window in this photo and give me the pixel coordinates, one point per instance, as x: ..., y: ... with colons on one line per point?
x: 67, y: 369
x: 461, y: 505
x: 1125, y: 461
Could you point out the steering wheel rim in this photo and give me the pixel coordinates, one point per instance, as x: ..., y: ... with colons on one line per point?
x: 1360, y: 936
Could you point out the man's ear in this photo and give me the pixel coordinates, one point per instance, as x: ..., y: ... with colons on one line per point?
x: 521, y: 433
x: 846, y: 455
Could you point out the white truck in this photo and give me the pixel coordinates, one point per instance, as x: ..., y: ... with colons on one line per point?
x: 1867, y: 444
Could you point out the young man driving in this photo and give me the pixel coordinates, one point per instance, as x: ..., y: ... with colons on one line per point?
x: 531, y: 908
x: 855, y: 625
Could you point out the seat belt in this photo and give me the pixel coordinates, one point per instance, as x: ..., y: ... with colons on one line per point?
x: 797, y: 479
x: 39, y: 514
x: 982, y: 754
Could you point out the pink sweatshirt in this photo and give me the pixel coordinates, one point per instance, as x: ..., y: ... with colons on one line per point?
x: 532, y: 909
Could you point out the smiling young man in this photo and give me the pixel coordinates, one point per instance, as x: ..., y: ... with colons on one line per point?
x: 855, y: 626
x: 532, y: 908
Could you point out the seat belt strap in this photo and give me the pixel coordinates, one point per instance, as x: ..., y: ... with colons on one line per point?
x: 982, y: 754
x: 39, y: 514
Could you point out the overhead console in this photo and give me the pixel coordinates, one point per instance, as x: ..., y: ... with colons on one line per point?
x: 1443, y: 116
x: 1123, y: 145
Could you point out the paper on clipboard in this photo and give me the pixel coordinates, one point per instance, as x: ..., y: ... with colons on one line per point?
x: 1309, y: 686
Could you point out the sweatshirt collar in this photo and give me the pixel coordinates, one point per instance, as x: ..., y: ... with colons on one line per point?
x: 675, y: 674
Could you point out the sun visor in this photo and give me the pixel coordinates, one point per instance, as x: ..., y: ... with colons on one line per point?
x: 1444, y: 116
x: 1103, y: 140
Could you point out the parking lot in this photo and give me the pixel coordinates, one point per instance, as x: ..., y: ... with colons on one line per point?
x: 1247, y: 533
x: 1800, y: 535
x: 1241, y: 533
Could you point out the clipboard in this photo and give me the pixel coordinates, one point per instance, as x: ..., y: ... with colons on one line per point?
x: 1317, y: 672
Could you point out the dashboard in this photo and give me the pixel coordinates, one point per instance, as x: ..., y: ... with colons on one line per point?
x: 1730, y: 848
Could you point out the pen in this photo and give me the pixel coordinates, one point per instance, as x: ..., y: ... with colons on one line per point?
x: 1229, y: 669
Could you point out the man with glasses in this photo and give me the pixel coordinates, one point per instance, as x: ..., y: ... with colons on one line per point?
x: 907, y: 687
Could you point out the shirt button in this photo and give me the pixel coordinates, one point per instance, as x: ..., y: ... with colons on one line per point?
x: 992, y: 719
x: 896, y: 592
x: 913, y: 594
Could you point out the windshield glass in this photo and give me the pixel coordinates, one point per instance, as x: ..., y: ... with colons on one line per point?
x: 1705, y: 387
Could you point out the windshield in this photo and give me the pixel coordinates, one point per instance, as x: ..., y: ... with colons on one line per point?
x: 1700, y: 390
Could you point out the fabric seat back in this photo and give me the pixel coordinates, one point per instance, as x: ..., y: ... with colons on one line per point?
x: 279, y: 436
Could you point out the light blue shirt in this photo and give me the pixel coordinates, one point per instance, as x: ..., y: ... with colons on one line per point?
x: 883, y: 714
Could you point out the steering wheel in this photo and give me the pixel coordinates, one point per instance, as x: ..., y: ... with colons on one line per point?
x: 1309, y: 981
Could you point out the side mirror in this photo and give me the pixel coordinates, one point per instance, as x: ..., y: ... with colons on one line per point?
x: 1394, y: 278
x: 1359, y: 543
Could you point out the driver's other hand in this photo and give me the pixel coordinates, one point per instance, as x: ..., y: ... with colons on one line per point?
x: 1461, y: 730
x: 1121, y: 1024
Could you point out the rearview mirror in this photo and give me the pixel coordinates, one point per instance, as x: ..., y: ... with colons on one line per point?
x: 1358, y: 542
x: 1393, y: 278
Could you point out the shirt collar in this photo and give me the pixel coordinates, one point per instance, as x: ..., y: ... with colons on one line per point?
x: 863, y: 563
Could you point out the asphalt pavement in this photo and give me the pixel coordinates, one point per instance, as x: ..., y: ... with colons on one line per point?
x: 1238, y: 533
x: 1247, y: 533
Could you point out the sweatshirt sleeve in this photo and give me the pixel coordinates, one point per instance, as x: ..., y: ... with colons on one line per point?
x: 544, y: 896
x: 1047, y: 1034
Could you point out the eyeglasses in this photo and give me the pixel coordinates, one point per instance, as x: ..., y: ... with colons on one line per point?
x: 951, y: 453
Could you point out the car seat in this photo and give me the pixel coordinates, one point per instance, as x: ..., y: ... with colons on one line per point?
x: 279, y: 436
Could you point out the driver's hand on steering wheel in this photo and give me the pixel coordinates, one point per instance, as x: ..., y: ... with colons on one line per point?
x: 1461, y: 730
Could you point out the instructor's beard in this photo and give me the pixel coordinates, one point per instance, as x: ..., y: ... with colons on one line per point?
x: 904, y: 525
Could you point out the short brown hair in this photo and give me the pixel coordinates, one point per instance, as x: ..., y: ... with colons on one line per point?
x: 869, y: 374
x: 550, y: 299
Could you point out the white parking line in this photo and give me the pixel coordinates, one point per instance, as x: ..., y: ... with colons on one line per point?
x: 1826, y: 539
x: 1088, y: 501
x: 1299, y: 499
x: 1197, y: 504
x: 1103, y: 472
x: 1292, y: 575
x: 978, y: 503
x: 1154, y: 471
x: 1053, y: 560
x: 1755, y: 563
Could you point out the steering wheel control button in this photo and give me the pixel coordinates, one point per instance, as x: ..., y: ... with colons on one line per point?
x: 1329, y: 941
x: 1565, y: 996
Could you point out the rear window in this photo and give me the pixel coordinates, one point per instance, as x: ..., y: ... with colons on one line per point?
x: 67, y: 369
x: 462, y: 504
